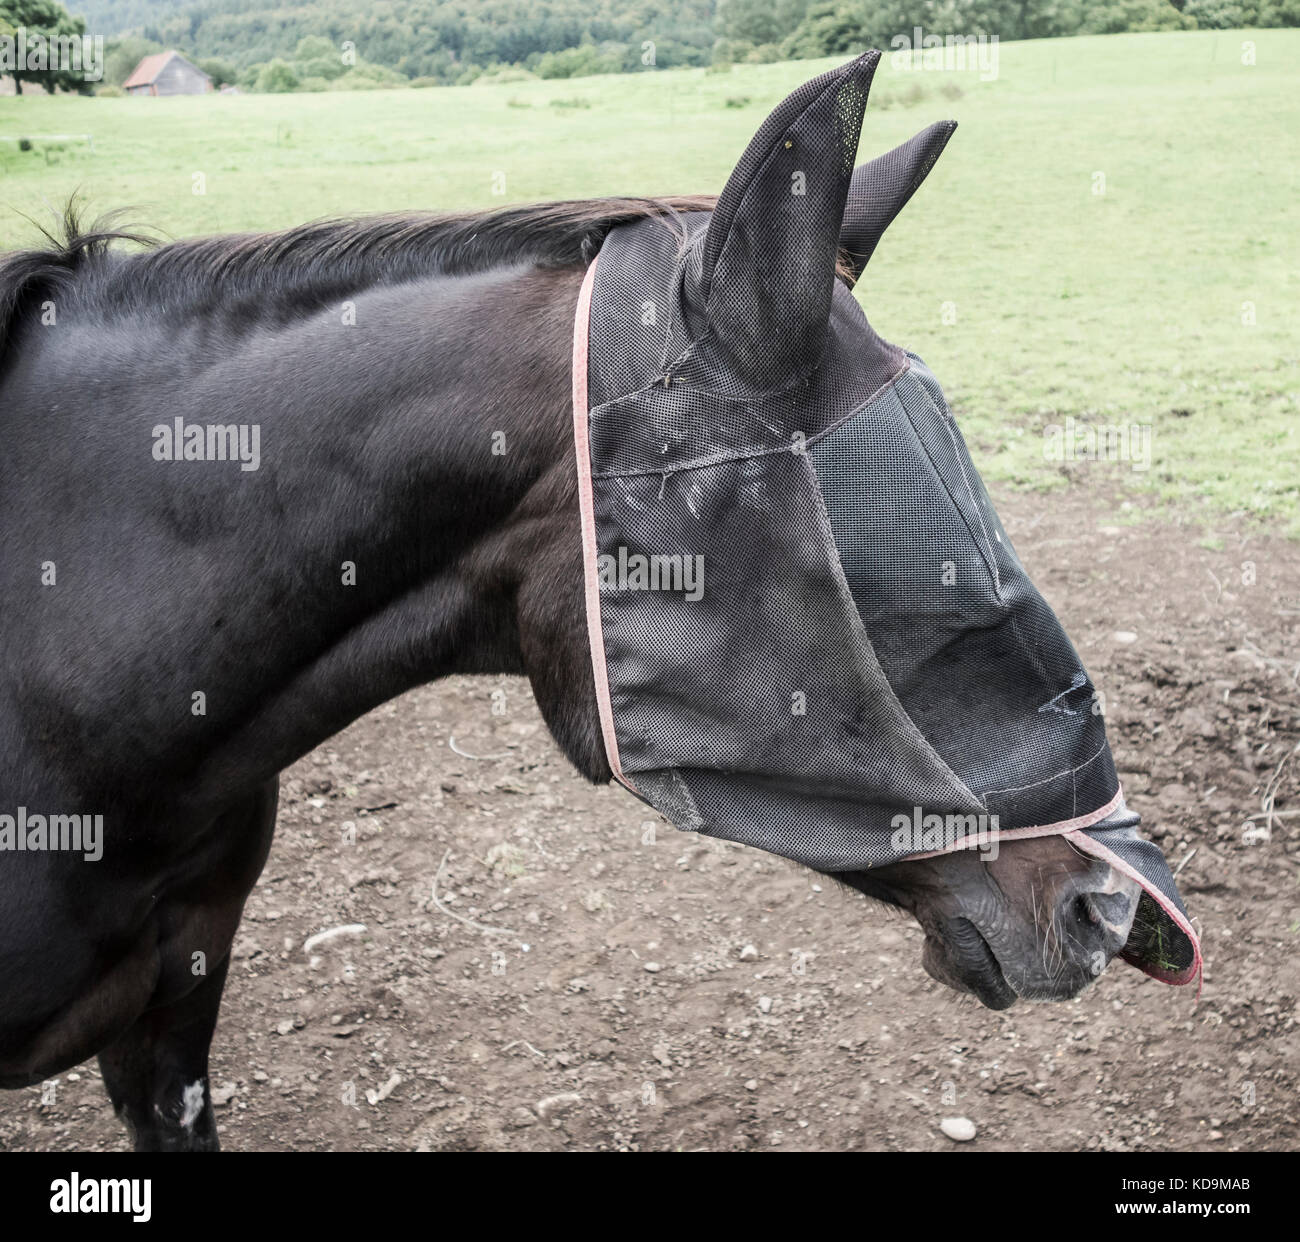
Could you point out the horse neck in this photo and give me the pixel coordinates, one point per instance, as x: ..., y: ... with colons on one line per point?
x: 406, y: 440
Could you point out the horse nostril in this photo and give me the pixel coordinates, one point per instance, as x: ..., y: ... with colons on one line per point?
x: 1110, y: 909
x: 1084, y: 911
x: 1098, y: 920
x: 1083, y: 926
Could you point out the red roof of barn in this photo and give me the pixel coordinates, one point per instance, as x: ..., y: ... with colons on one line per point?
x: 147, y: 71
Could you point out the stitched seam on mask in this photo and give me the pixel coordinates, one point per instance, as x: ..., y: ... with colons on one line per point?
x: 697, y: 823
x: 842, y: 585
x: 1048, y: 779
x: 970, y: 491
x: 698, y: 463
x: 990, y: 557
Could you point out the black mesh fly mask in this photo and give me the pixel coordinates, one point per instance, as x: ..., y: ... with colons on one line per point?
x: 809, y: 630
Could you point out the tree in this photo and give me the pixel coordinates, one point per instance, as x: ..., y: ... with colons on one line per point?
x: 220, y: 71
x: 828, y: 28
x: 277, y: 78
x: 1117, y: 16
x: 123, y: 56
x: 759, y: 21
x: 326, y: 67
x: 53, y: 46
x: 315, y: 47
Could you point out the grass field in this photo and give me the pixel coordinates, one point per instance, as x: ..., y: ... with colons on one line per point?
x: 1169, y: 301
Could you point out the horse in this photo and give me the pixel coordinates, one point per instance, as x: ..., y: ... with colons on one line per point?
x: 256, y: 485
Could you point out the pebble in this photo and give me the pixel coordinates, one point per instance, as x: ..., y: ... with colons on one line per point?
x: 765, y: 1004
x: 332, y: 933
x: 223, y: 1094
x: 555, y: 1105
x: 959, y: 1129
x: 1124, y: 636
x: 652, y: 967
x: 378, y: 1097
x: 748, y: 953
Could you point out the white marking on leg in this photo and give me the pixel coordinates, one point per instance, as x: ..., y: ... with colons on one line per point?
x: 191, y: 1103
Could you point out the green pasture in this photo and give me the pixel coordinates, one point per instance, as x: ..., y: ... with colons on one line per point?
x: 1168, y: 301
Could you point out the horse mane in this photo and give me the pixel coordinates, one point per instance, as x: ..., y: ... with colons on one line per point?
x: 290, y: 273
x: 300, y: 268
x: 26, y: 275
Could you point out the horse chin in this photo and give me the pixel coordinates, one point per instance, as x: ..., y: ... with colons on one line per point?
x: 962, y: 960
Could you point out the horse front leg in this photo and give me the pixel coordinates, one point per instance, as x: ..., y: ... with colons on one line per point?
x: 157, y: 1072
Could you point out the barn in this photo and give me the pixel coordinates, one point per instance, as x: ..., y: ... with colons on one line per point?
x: 167, y: 73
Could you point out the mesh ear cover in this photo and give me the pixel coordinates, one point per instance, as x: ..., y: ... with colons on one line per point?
x: 763, y: 274
x: 881, y: 188
x: 863, y: 645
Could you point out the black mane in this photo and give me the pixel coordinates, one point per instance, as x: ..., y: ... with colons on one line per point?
x: 294, y: 271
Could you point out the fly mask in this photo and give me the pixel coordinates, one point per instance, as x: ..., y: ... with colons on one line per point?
x: 809, y: 630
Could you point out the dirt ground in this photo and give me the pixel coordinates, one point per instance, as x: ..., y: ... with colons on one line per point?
x: 653, y: 991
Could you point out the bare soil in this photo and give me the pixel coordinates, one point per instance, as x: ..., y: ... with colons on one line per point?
x: 650, y: 990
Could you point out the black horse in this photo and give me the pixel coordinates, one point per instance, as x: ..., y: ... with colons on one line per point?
x: 253, y: 487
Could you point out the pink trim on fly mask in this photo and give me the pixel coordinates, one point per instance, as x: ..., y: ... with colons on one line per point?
x: 586, y: 505
x: 1040, y: 830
